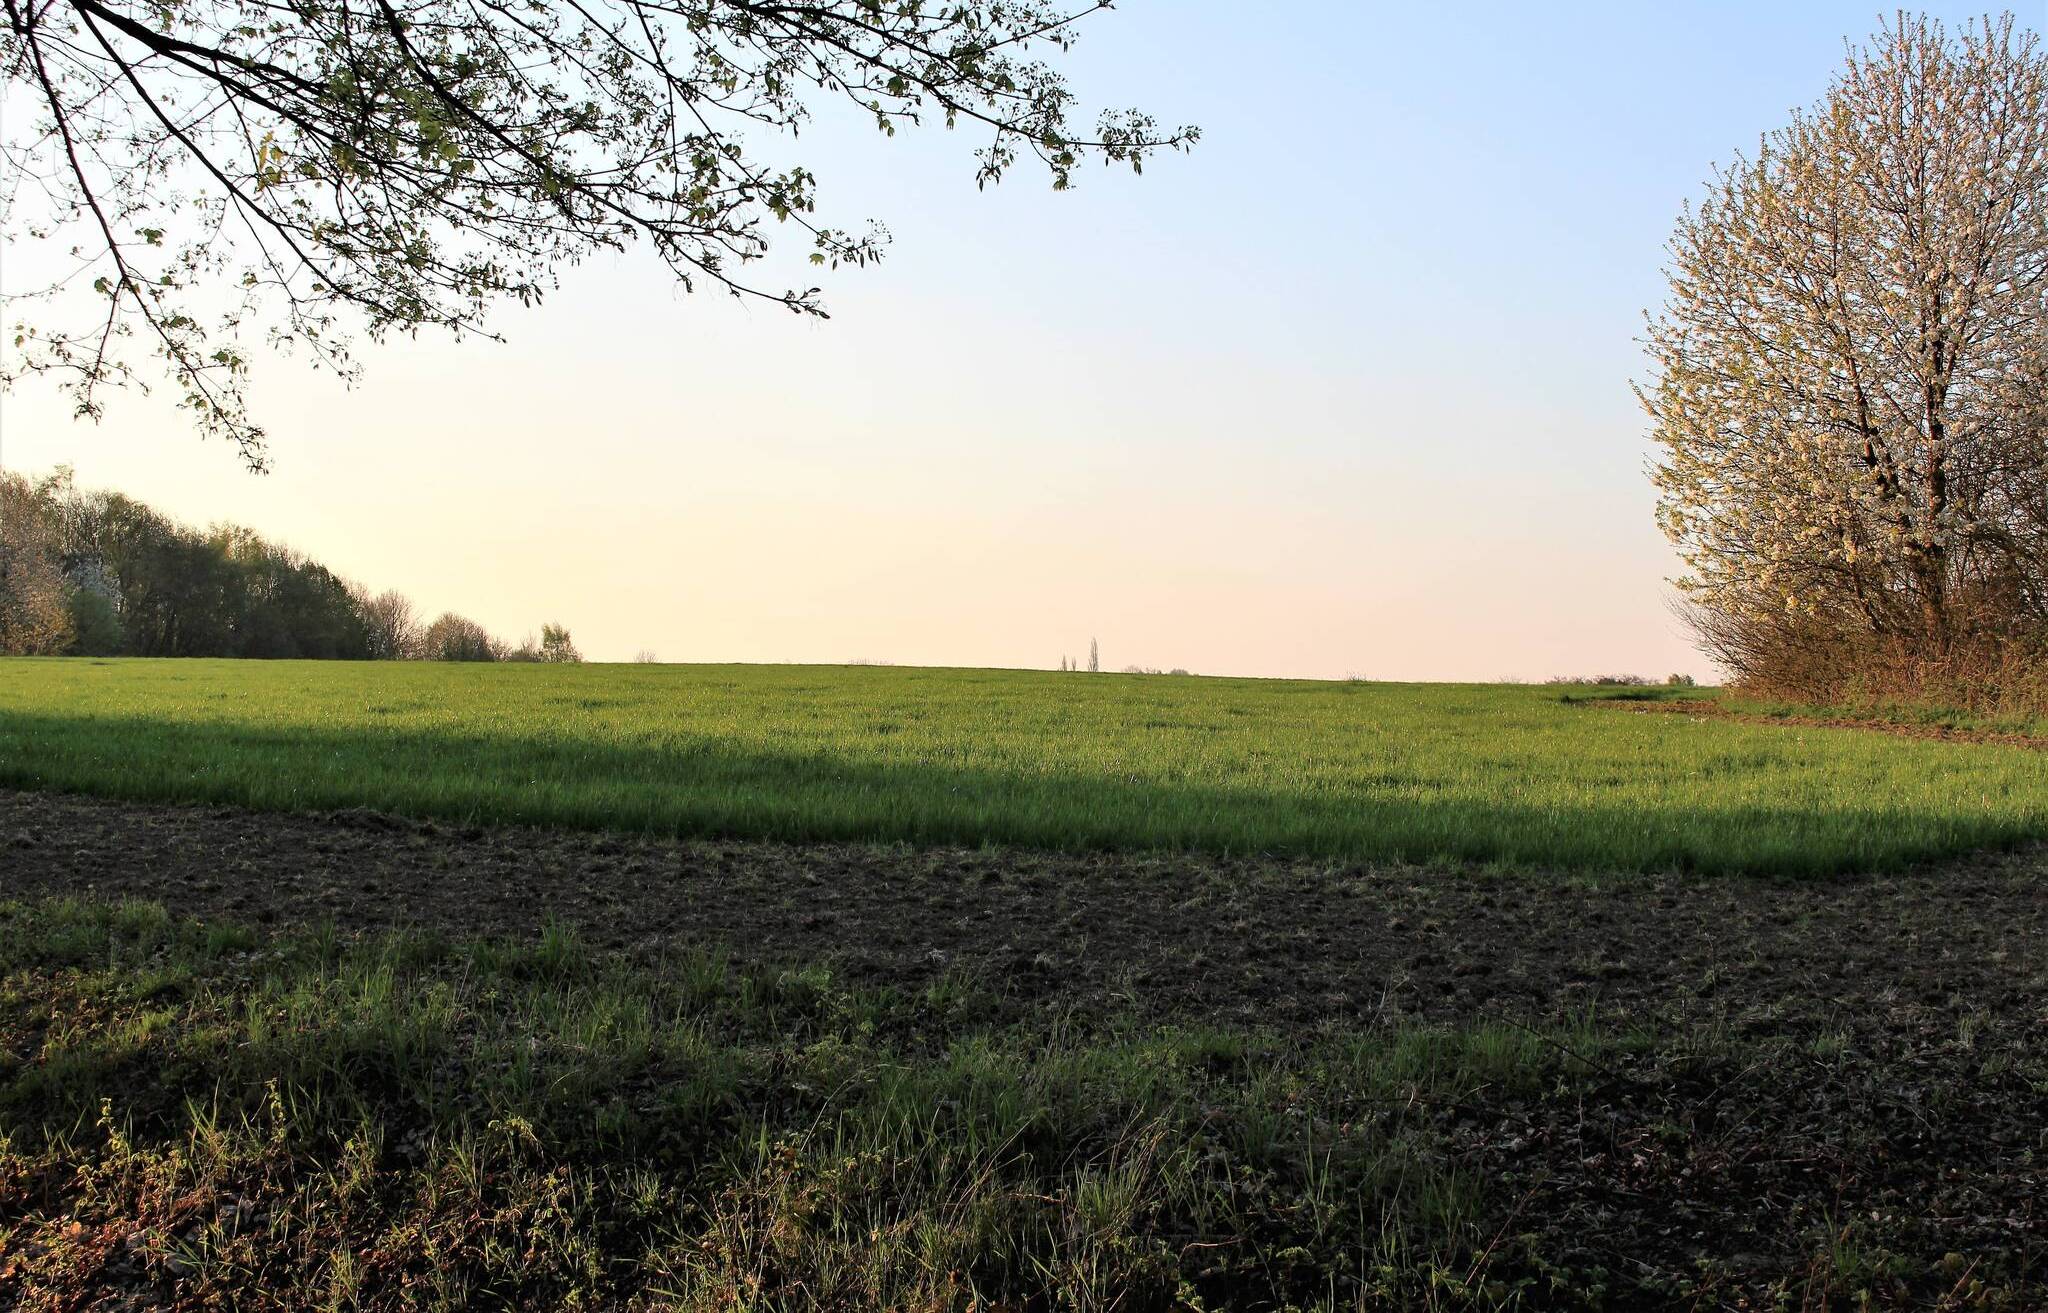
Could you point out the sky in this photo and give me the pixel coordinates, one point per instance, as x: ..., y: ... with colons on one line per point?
x: 1342, y: 393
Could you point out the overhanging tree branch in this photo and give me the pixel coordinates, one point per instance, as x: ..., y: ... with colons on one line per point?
x: 324, y: 167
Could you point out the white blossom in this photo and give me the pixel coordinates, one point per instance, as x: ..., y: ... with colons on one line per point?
x: 1851, y: 387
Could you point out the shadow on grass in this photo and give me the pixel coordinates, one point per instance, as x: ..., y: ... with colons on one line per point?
x: 704, y: 787
x: 1663, y: 693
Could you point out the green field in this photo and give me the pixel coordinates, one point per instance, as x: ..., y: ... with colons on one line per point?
x: 1505, y: 774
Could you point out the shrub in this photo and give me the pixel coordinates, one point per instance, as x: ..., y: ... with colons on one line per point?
x: 458, y: 638
x: 1842, y: 665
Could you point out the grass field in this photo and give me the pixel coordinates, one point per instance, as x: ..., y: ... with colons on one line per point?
x: 1511, y: 775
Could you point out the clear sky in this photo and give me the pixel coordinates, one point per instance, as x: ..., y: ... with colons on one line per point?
x: 1345, y: 391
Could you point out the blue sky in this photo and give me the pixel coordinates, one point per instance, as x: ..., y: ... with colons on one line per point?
x: 1344, y: 391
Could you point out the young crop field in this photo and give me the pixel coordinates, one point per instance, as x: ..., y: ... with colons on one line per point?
x: 525, y: 986
x: 1524, y: 776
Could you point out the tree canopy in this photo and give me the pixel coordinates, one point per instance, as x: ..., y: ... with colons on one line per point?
x: 1852, y: 387
x: 319, y: 168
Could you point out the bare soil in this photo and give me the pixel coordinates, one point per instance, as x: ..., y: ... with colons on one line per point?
x: 1167, y: 936
x: 1844, y: 1077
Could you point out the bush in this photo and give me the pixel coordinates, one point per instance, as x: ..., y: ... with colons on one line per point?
x: 1800, y: 660
x: 458, y: 638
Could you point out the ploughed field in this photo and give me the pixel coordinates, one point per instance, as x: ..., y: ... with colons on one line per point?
x: 758, y: 988
x: 1529, y: 776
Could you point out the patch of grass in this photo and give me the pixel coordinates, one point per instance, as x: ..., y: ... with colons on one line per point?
x: 1345, y: 770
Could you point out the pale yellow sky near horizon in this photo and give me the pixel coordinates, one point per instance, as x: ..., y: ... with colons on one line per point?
x: 1344, y: 392
x: 829, y: 533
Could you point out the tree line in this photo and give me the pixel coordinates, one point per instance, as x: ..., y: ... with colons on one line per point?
x: 93, y: 573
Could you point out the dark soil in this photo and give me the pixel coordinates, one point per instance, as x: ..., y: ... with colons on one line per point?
x: 1840, y: 1092
x: 1181, y: 937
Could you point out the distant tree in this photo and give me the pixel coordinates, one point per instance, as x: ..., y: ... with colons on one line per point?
x: 95, y: 623
x: 1852, y: 364
x: 646, y: 657
x: 458, y: 638
x: 392, y: 631
x: 280, y: 604
x: 401, y: 164
x: 93, y: 592
x: 556, y: 647
x: 1094, y: 657
x: 35, y: 619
